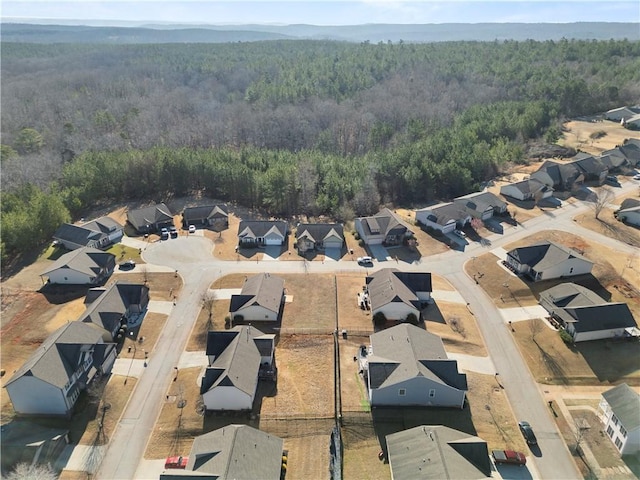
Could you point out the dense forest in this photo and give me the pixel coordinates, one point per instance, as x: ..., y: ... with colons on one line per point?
x: 311, y: 127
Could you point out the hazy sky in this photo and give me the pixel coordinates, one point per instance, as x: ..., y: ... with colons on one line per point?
x: 326, y: 12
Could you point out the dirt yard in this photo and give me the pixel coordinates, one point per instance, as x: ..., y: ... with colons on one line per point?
x: 595, y: 137
x: 456, y: 326
x: 162, y: 285
x: 551, y: 361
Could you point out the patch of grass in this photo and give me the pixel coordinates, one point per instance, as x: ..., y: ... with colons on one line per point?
x: 123, y: 252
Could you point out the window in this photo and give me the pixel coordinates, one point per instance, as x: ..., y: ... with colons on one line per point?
x: 614, y: 419
x: 402, y: 392
x: 432, y: 393
x: 610, y: 431
x: 618, y: 443
x: 571, y: 270
x: 623, y: 431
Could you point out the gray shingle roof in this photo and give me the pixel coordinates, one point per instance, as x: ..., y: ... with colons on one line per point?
x: 89, y: 232
x: 625, y: 404
x: 480, y: 201
x: 630, y: 205
x: 107, y: 306
x: 151, y: 215
x: 263, y: 289
x: 443, y: 213
x: 237, y: 358
x: 237, y: 452
x: 390, y: 285
x: 384, y: 223
x: 606, y: 316
x: 57, y: 359
x: 405, y: 351
x: 205, y: 211
x: 529, y: 186
x: 318, y: 232
x: 87, y: 260
x: 439, y: 452
x: 544, y: 255
x: 261, y: 228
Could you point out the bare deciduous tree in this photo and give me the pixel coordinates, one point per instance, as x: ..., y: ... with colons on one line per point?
x: 24, y: 471
x: 602, y: 197
x: 208, y: 302
x: 535, y: 327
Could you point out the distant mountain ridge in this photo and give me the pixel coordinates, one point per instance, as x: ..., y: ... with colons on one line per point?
x: 423, y: 33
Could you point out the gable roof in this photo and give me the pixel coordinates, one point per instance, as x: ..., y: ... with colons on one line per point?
x: 87, y: 260
x: 205, y: 211
x: 237, y: 452
x: 261, y: 228
x: 405, y: 351
x: 625, y: 404
x: 544, y: 255
x: 630, y: 205
x: 236, y: 360
x: 605, y: 316
x: 480, y: 201
x: 317, y: 232
x: 89, y: 232
x: 444, y: 213
x: 529, y: 186
x: 106, y: 306
x: 590, y: 165
x: 384, y: 223
x: 561, y: 174
x: 150, y: 215
x: 391, y: 285
x: 436, y: 451
x: 57, y: 358
x: 263, y: 289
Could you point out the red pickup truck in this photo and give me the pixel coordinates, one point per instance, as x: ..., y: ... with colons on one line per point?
x: 176, y: 462
x: 508, y: 457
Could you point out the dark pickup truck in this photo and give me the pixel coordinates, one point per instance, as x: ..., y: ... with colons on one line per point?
x: 509, y: 457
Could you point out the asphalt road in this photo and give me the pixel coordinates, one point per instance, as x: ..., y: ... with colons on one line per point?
x: 191, y: 257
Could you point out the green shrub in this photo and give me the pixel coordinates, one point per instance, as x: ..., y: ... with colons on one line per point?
x: 412, y: 319
x: 566, y: 337
x: 379, y: 319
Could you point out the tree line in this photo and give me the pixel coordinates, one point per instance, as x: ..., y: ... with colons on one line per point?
x: 289, y: 126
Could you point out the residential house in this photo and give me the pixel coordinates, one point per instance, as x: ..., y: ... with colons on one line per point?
x: 385, y: 227
x: 206, y: 215
x: 112, y: 307
x: 621, y: 113
x: 234, y: 452
x: 150, y: 219
x: 585, y: 315
x: 629, y: 212
x: 319, y: 236
x: 592, y: 169
x: 481, y: 205
x: 398, y: 294
x: 632, y: 123
x: 408, y: 366
x: 445, y: 217
x: 619, y: 411
x: 260, y: 299
x: 436, y: 451
x: 626, y: 155
x: 559, y: 176
x: 98, y: 233
x: 50, y: 381
x: 237, y: 359
x: 530, y: 189
x: 548, y: 260
x: 257, y: 233
x: 84, y: 266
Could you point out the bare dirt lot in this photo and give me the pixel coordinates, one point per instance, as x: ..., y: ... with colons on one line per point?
x: 595, y: 137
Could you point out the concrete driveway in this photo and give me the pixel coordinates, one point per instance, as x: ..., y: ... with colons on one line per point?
x: 177, y: 252
x: 379, y: 253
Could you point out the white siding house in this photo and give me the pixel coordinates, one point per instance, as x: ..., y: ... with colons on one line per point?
x: 260, y: 299
x: 629, y: 212
x: 398, y: 294
x: 84, y: 266
x: 531, y: 189
x: 547, y: 260
x: 619, y: 411
x: 445, y: 217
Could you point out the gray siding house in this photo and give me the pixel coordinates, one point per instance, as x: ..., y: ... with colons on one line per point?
x: 98, y: 233
x: 408, y: 366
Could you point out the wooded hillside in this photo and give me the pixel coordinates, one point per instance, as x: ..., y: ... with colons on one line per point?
x: 289, y: 126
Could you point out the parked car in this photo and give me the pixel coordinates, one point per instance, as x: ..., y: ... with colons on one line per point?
x: 460, y: 233
x: 164, y: 234
x: 612, y: 180
x: 636, y: 177
x: 176, y: 462
x: 192, y: 229
x: 365, y: 261
x: 128, y: 265
x: 173, y: 231
x: 509, y: 457
x: 527, y: 433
